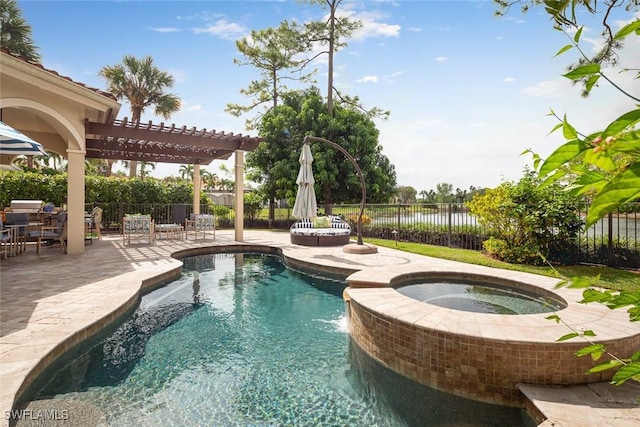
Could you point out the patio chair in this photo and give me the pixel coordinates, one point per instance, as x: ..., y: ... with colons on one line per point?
x: 57, y: 232
x: 200, y: 223
x: 96, y: 221
x: 19, y: 222
x: 137, y: 225
x: 6, y: 238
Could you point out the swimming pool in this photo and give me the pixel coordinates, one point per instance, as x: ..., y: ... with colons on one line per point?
x: 240, y: 339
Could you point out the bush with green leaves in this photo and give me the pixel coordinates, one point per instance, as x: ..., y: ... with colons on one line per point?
x: 32, y: 186
x: 604, y: 164
x: 526, y: 222
x: 98, y: 189
x: 467, y: 237
x: 252, y: 204
x: 221, y: 211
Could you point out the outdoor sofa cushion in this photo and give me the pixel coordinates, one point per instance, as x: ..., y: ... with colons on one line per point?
x: 330, y: 221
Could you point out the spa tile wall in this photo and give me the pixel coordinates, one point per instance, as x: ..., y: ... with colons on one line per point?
x: 467, y: 365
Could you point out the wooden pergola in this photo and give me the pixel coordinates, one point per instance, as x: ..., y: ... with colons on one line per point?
x: 148, y: 142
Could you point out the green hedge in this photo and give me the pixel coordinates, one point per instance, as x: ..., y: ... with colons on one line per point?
x: 98, y: 189
x: 459, y: 237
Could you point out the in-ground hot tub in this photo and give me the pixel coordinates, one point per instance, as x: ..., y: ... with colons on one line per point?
x: 479, y: 355
x: 481, y: 296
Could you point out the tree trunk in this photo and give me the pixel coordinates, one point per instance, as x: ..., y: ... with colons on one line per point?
x: 332, y: 26
x: 136, y: 113
x: 327, y: 201
x: 109, y: 164
x: 133, y: 169
x: 272, y: 212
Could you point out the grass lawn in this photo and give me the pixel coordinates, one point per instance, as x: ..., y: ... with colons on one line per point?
x: 610, y: 278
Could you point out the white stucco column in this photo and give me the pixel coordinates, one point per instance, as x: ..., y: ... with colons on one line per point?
x: 75, y: 202
x: 196, y: 189
x: 239, y: 199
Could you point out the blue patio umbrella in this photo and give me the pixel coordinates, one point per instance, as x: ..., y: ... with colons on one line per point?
x: 15, y: 142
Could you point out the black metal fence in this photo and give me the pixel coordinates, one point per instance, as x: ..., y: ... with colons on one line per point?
x: 162, y: 213
x: 614, y: 240
x: 446, y: 224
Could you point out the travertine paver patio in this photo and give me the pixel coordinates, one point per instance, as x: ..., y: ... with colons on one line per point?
x: 51, y: 301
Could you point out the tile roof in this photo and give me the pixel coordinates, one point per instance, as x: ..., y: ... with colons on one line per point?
x: 38, y: 65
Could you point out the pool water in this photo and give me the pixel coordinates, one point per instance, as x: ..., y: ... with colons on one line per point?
x: 478, y: 297
x: 240, y: 339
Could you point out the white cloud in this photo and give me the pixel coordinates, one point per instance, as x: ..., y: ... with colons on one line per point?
x: 368, y: 79
x: 390, y: 78
x: 415, y: 29
x: 223, y: 29
x: 441, y: 58
x: 194, y: 108
x: 514, y: 20
x: 165, y: 29
x: 372, y: 25
x: 548, y: 89
x: 509, y: 80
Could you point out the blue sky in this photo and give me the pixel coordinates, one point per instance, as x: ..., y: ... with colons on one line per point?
x: 468, y: 92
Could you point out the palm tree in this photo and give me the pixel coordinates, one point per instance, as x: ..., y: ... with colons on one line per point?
x: 58, y: 161
x: 143, y: 85
x: 95, y: 167
x: 227, y: 184
x: 143, y: 169
x: 15, y: 32
x: 210, y: 179
x: 110, y: 163
x: 24, y: 161
x: 186, y: 172
x: 171, y: 179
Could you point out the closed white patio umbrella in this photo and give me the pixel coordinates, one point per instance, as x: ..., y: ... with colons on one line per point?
x: 305, y: 205
x: 15, y: 142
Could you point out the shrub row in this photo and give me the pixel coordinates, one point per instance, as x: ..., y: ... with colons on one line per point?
x: 98, y: 189
x: 455, y: 239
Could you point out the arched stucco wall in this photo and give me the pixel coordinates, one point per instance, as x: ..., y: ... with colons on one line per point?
x: 74, y: 135
x: 71, y: 140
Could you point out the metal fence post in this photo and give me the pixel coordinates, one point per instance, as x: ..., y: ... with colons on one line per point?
x: 610, y: 240
x: 449, y: 226
x: 398, y: 233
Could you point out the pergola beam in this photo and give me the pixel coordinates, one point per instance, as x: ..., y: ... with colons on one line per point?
x: 154, y: 159
x: 123, y: 140
x: 155, y: 149
x: 180, y: 136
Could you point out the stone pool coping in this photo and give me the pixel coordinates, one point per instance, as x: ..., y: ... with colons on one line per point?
x: 46, y: 310
x: 372, y: 287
